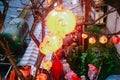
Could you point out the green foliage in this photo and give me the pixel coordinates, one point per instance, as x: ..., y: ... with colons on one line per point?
x: 75, y: 60
x: 16, y: 45
x: 110, y: 65
x: 93, y: 29
x: 97, y: 54
x: 83, y: 69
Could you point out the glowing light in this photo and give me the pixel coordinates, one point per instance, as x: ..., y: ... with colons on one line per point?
x: 47, y: 65
x: 115, y: 39
x: 60, y: 21
x: 50, y: 44
x: 103, y: 39
x: 84, y: 35
x: 41, y: 76
x: 92, y: 40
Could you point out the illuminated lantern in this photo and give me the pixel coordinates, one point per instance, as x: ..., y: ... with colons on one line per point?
x: 119, y: 40
x: 115, y: 39
x: 25, y: 73
x: 84, y: 35
x: 103, y: 39
x: 50, y: 44
x: 92, y: 40
x: 47, y: 65
x: 60, y: 21
x: 41, y: 76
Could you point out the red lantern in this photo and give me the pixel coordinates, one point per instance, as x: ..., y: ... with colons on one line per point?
x: 41, y: 76
x: 60, y: 21
x: 50, y: 44
x: 103, y: 39
x: 119, y: 40
x: 84, y: 35
x: 115, y: 39
x: 92, y: 40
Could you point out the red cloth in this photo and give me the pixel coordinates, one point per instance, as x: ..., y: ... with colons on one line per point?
x: 75, y: 77
x: 57, y: 69
x: 12, y: 75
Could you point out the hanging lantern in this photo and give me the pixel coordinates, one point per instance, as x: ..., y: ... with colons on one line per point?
x: 50, y: 44
x: 41, y: 76
x: 119, y: 40
x: 60, y: 21
x: 92, y: 40
x: 103, y: 39
x: 84, y: 35
x: 115, y: 39
x: 47, y: 65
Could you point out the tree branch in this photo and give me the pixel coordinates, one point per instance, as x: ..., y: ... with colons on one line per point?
x: 32, y: 33
x: 4, y: 45
x: 3, y: 15
x: 106, y: 14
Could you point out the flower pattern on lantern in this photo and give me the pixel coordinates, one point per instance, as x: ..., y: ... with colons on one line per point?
x: 50, y: 44
x: 92, y: 40
x: 47, y: 64
x: 103, y: 39
x: 60, y: 21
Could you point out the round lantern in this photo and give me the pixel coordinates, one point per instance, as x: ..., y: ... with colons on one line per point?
x: 92, y: 40
x: 60, y: 21
x: 50, y: 44
x: 41, y: 76
x: 84, y: 35
x: 103, y: 39
x: 115, y: 39
x: 47, y: 65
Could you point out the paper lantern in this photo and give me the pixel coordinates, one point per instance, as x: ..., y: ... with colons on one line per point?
x: 92, y: 40
x: 84, y: 35
x: 103, y: 39
x: 60, y: 21
x: 50, y: 44
x: 41, y: 76
x: 47, y: 65
x: 119, y: 40
x: 115, y: 39
x: 25, y: 73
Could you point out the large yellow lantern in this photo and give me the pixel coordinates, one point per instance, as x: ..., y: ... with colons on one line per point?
x: 50, y: 44
x: 60, y: 21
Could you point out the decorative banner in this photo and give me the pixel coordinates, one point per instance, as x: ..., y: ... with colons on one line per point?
x: 60, y: 21
x: 50, y: 44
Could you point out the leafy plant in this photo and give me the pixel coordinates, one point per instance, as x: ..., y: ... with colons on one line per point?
x: 75, y: 60
x: 83, y: 69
